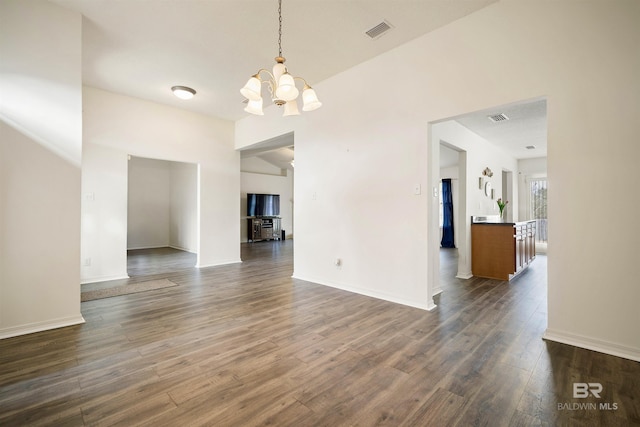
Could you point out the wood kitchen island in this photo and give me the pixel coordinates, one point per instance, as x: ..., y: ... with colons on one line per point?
x: 501, y: 250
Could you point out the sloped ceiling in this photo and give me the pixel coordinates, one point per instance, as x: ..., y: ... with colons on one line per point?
x: 142, y: 48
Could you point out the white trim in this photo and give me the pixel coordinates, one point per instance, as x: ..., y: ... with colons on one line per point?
x: 593, y: 344
x: 464, y: 275
x: 183, y: 249
x: 137, y: 248
x: 103, y: 279
x: 219, y: 264
x: 31, y: 328
x: 373, y: 294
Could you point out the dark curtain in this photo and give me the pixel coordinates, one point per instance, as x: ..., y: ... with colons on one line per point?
x: 447, y: 217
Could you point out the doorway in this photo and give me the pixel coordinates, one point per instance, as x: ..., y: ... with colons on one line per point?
x: 162, y: 216
x: 513, y: 150
x: 268, y: 168
x: 452, y: 162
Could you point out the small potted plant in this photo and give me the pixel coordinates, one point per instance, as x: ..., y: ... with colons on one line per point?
x: 502, y: 205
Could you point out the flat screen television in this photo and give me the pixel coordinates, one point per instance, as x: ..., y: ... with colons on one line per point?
x: 263, y: 204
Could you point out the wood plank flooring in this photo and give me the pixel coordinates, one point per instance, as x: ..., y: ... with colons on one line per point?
x: 245, y: 345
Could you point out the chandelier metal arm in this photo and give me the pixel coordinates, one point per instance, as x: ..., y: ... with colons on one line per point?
x: 266, y: 71
x: 306, y: 85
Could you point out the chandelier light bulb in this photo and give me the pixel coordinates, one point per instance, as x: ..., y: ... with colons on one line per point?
x: 310, y: 99
x: 255, y: 107
x: 286, y: 90
x: 291, y: 109
x: 251, y: 90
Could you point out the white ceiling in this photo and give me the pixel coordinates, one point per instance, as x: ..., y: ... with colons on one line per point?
x: 142, y: 48
x: 526, y: 126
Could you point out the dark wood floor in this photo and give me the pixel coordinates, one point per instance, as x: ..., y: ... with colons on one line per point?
x: 246, y: 344
x: 149, y: 262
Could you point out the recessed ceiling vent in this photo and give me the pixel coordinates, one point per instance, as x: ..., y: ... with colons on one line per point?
x: 379, y: 30
x: 498, y: 118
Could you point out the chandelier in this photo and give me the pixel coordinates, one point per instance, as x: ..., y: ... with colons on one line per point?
x: 281, y: 85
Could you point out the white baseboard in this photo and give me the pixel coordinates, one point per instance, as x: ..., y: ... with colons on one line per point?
x: 593, y: 344
x: 136, y: 248
x: 218, y: 264
x: 164, y: 246
x: 429, y: 305
x: 183, y: 249
x: 464, y: 275
x: 102, y: 279
x: 31, y: 328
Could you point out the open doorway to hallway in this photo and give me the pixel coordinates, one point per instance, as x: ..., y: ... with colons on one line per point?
x: 451, y: 193
x: 504, y: 148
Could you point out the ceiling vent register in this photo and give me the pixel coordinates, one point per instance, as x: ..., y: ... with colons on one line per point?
x: 378, y: 30
x: 498, y: 118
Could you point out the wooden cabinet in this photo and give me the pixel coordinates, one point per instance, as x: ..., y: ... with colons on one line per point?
x: 502, y: 250
x: 263, y: 229
x: 525, y: 239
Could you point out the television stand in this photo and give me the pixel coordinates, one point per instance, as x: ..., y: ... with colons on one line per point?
x: 263, y: 228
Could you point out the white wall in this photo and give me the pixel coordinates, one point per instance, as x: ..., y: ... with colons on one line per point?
x: 40, y: 152
x: 582, y: 56
x: 145, y: 129
x: 149, y: 203
x: 104, y: 213
x: 266, y: 183
x: 183, y: 227
x: 162, y: 204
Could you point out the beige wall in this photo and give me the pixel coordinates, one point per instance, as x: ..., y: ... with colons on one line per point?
x: 40, y: 151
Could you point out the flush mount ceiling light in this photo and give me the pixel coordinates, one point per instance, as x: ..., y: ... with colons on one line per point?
x: 281, y: 85
x: 183, y: 92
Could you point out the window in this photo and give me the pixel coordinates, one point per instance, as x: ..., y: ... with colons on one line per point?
x: 538, y: 207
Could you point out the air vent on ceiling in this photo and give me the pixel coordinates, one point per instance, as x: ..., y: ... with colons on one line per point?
x: 379, y: 30
x: 498, y: 118
x: 530, y: 147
